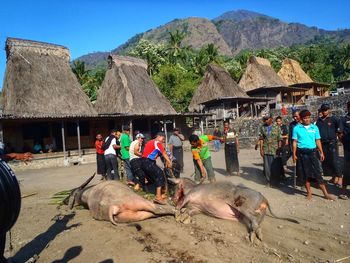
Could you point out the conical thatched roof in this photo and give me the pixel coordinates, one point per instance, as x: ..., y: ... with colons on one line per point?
x: 216, y: 84
x: 39, y: 82
x: 259, y: 74
x: 128, y: 89
x: 292, y: 73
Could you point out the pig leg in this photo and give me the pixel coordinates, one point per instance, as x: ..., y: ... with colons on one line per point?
x: 133, y: 216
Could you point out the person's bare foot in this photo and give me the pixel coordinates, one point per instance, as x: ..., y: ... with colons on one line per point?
x: 330, y: 197
x: 339, y: 182
x: 309, y: 197
x: 137, y: 187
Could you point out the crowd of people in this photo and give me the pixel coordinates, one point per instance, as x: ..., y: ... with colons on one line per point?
x: 313, y: 148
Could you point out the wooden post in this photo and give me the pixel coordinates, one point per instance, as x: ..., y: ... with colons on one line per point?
x: 251, y: 109
x: 223, y: 110
x: 131, y: 134
x: 206, y: 123
x: 78, y: 135
x: 166, y: 134
x: 174, y: 123
x: 202, y: 129
x: 1, y: 133
x: 237, y: 108
x: 65, y: 160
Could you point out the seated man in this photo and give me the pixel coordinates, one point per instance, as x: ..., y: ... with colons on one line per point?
x: 153, y: 149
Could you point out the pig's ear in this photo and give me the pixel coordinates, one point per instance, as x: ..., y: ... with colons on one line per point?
x: 174, y: 180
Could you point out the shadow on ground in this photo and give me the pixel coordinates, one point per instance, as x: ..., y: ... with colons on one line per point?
x: 40, y: 242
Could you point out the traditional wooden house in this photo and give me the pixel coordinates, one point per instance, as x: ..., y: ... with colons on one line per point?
x: 294, y: 76
x: 343, y: 87
x: 42, y: 101
x: 260, y: 80
x: 219, y: 95
x: 128, y: 91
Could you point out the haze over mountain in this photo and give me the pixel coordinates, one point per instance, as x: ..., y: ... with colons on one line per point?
x: 231, y: 32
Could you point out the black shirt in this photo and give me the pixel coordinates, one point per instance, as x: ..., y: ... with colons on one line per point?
x: 329, y: 127
x: 291, y: 127
x: 345, y: 121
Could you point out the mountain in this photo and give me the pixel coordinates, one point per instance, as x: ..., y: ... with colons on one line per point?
x: 231, y: 32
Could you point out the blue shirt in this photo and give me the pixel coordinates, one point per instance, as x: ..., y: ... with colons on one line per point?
x: 306, y: 138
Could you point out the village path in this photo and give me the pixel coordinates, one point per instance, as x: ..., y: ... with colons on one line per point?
x: 58, y: 235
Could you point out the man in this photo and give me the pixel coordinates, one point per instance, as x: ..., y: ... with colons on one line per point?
x: 136, y: 161
x: 10, y: 196
x: 153, y: 149
x: 175, y: 146
x: 345, y: 139
x: 270, y: 142
x: 100, y: 157
x: 201, y: 157
x: 285, y: 143
x: 111, y: 147
x: 231, y: 150
x: 306, y: 137
x: 330, y: 128
x: 217, y: 144
x: 125, y: 144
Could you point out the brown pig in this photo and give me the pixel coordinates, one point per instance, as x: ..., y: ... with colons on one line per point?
x: 223, y: 200
x: 115, y: 202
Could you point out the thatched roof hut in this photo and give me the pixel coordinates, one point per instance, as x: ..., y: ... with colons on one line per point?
x: 217, y: 84
x: 39, y: 82
x: 260, y: 74
x: 128, y: 89
x: 292, y: 73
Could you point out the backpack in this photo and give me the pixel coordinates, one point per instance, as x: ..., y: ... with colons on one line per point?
x: 106, y: 144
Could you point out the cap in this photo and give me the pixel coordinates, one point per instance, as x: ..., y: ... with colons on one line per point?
x: 161, y: 134
x: 324, y: 107
x: 140, y: 135
x: 176, y: 129
x: 126, y: 128
x: 266, y: 117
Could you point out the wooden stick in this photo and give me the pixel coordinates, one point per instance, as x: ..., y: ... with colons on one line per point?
x: 27, y: 195
x: 341, y: 259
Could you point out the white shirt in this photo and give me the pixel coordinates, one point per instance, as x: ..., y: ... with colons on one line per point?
x: 132, y: 148
x: 111, y: 149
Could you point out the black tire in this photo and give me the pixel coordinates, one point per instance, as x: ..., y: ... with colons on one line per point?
x: 10, y: 198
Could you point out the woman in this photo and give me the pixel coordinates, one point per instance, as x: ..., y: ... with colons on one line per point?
x: 231, y: 150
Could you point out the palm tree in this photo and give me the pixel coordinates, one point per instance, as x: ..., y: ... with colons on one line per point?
x: 175, y: 50
x: 212, y: 53
x: 80, y: 71
x: 346, y: 57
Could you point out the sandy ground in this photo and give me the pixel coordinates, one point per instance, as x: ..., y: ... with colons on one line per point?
x: 59, y: 235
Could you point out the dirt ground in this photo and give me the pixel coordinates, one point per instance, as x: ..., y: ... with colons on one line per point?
x: 60, y: 235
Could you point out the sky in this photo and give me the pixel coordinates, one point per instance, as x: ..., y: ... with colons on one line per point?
x: 102, y: 25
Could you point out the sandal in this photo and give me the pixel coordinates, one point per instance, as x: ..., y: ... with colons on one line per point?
x: 159, y: 202
x: 343, y: 197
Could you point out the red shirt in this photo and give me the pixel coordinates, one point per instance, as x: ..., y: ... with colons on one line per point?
x: 98, y: 146
x: 153, y: 149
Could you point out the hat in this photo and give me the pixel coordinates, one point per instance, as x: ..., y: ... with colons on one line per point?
x: 266, y: 117
x: 324, y: 107
x: 140, y: 135
x: 176, y: 129
x: 126, y: 128
x: 161, y: 134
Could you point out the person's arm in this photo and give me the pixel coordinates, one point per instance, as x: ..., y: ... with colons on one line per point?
x: 237, y: 144
x: 294, y: 150
x: 339, y: 125
x: 137, y: 151
x: 181, y: 137
x: 115, y: 145
x: 201, y: 167
x: 319, y: 147
x: 168, y: 162
x: 261, y: 144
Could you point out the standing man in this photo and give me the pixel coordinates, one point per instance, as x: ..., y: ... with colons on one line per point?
x: 285, y: 142
x: 136, y: 161
x: 306, y: 137
x: 330, y: 128
x: 153, y: 149
x: 201, y: 157
x: 175, y: 147
x: 125, y: 144
x: 345, y: 121
x: 270, y: 142
x: 231, y: 150
x: 217, y: 144
x: 100, y: 156
x: 111, y: 147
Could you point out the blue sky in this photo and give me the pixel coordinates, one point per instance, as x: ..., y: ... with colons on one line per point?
x: 101, y: 25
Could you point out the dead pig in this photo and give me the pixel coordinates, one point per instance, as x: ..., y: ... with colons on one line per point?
x: 115, y: 202
x: 223, y: 200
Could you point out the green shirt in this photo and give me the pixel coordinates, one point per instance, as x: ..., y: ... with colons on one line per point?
x: 125, y: 142
x: 270, y: 136
x: 202, y: 151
